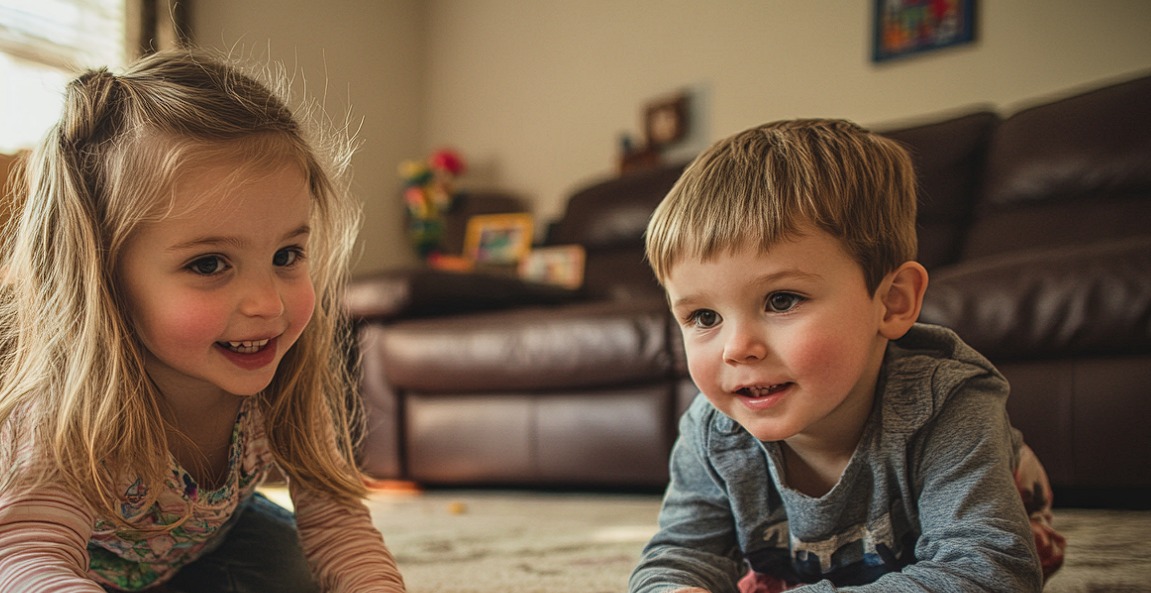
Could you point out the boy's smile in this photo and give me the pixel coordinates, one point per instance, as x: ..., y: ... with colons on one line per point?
x: 787, y: 343
x: 219, y: 290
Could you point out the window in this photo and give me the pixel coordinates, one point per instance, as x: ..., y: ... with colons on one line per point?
x: 43, y: 45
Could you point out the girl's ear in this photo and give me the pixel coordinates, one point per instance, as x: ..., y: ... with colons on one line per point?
x: 901, y: 295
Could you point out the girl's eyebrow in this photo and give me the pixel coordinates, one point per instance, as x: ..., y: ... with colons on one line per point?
x: 236, y: 242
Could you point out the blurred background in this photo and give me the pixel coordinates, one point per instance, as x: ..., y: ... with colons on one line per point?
x: 536, y: 94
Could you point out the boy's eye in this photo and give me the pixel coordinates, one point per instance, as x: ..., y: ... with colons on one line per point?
x: 780, y: 302
x: 704, y: 318
x: 286, y: 257
x: 207, y: 266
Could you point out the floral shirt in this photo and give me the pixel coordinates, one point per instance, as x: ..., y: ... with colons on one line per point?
x: 50, y: 542
x: 127, y: 561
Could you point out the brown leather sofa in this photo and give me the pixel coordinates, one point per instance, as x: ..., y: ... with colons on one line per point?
x: 1036, y: 228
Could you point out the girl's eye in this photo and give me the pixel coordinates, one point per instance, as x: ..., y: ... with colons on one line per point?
x: 781, y: 302
x: 704, y: 318
x: 206, y: 266
x: 287, y: 257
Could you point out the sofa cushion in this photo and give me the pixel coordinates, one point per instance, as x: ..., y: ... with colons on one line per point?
x: 585, y: 345
x: 1050, y: 166
x: 550, y: 439
x: 1054, y: 303
x: 948, y: 158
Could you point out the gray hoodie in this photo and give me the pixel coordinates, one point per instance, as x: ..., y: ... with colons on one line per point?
x: 927, y: 502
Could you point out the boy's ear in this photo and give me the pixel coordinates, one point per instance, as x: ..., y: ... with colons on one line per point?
x: 901, y: 294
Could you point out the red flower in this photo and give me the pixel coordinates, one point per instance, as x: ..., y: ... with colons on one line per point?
x: 447, y: 160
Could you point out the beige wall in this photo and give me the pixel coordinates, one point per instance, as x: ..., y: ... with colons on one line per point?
x: 536, y: 92
x: 365, y: 57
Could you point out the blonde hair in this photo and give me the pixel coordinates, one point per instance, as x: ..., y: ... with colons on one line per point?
x: 761, y: 185
x: 71, y: 367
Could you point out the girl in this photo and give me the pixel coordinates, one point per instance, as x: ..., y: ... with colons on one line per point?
x: 170, y: 329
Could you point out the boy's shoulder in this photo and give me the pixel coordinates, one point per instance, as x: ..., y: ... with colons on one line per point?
x: 928, y: 368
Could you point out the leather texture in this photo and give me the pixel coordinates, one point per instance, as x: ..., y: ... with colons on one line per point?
x: 1078, y: 300
x: 1036, y: 229
x: 948, y: 158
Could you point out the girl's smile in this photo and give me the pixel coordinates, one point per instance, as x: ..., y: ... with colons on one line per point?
x: 249, y: 355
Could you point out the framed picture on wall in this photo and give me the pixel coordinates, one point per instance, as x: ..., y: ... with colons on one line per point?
x: 498, y: 238
x: 665, y: 121
x: 906, y: 27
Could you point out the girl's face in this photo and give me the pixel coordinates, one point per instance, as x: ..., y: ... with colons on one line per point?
x: 219, y: 291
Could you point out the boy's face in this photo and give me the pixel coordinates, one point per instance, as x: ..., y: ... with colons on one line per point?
x: 218, y: 294
x: 786, y: 343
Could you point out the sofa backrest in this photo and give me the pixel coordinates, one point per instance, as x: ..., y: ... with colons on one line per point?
x: 609, y: 218
x: 1067, y: 172
x: 949, y: 157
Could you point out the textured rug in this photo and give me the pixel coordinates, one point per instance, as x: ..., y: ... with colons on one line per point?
x: 526, y: 542
x: 480, y: 542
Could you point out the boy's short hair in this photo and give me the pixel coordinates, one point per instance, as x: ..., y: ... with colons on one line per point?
x: 761, y: 185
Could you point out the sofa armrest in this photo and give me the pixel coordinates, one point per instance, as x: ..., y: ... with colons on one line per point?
x: 1076, y: 300
x: 406, y: 294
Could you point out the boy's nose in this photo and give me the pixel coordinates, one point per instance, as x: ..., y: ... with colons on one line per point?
x: 262, y: 298
x: 744, y: 345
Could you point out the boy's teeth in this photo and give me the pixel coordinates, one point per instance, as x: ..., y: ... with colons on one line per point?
x: 762, y: 391
x: 246, y: 347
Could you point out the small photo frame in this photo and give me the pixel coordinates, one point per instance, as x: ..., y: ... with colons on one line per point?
x: 498, y: 238
x: 560, y: 265
x: 665, y: 121
x: 905, y: 27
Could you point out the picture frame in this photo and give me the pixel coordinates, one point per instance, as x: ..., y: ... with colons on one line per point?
x: 498, y: 239
x: 906, y: 27
x: 665, y: 121
x: 559, y: 265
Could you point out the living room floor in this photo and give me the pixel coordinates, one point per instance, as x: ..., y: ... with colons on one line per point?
x: 484, y: 541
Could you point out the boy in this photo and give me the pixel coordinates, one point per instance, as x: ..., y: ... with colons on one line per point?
x: 836, y: 442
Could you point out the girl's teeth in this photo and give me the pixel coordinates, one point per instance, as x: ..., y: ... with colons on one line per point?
x: 246, y: 347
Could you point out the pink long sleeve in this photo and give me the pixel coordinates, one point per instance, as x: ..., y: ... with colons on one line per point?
x: 345, y: 551
x: 43, y: 542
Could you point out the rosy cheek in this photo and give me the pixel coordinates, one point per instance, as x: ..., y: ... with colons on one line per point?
x: 198, y: 319
x: 830, y: 357
x: 702, y: 364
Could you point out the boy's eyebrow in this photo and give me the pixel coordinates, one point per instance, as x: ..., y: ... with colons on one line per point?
x: 234, y: 241
x: 779, y: 276
x: 787, y: 274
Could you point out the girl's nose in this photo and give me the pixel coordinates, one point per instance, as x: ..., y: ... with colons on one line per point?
x: 744, y: 345
x: 262, y: 298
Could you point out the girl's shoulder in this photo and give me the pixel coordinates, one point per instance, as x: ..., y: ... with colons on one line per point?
x: 25, y: 456
x: 18, y: 437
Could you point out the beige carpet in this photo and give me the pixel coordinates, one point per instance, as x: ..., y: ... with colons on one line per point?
x: 480, y: 542
x: 527, y: 542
